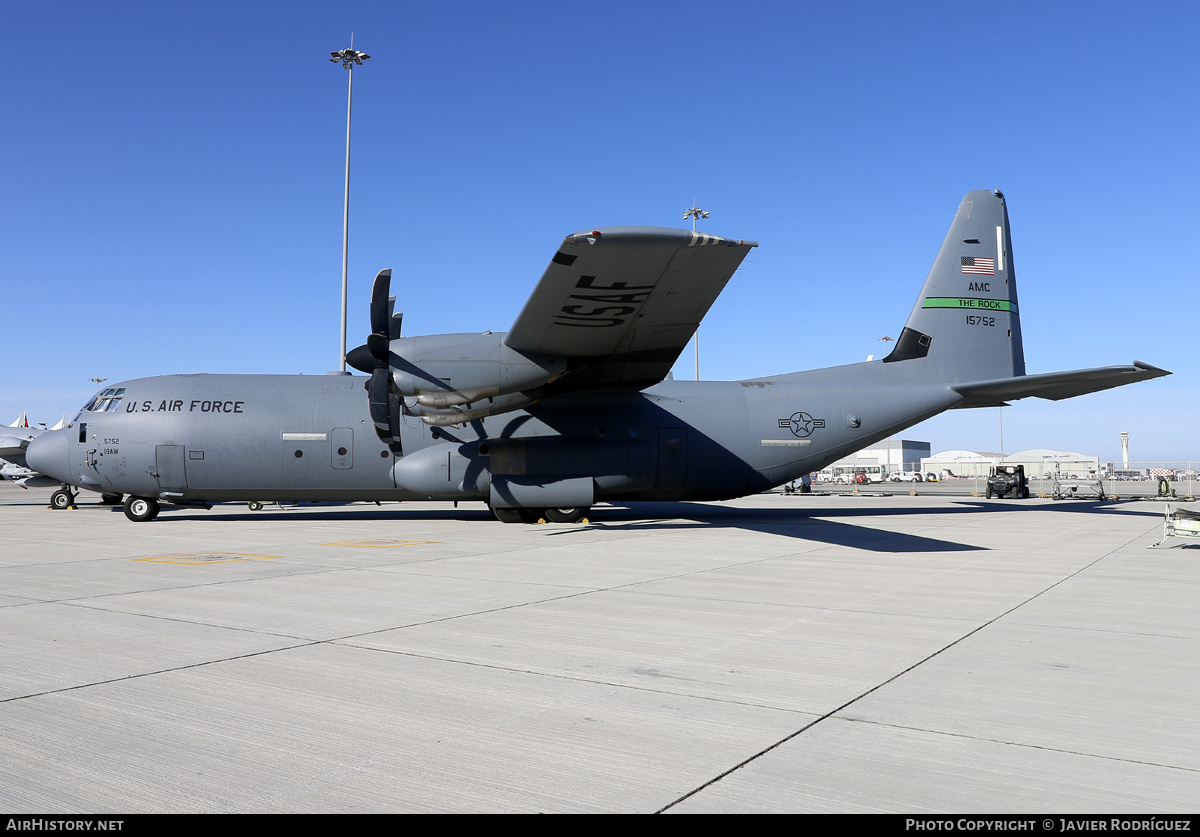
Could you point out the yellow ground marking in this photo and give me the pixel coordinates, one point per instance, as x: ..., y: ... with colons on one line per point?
x: 198, y: 559
x: 379, y: 543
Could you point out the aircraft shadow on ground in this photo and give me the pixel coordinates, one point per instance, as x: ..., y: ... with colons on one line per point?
x: 639, y: 517
x: 813, y: 524
x: 795, y: 521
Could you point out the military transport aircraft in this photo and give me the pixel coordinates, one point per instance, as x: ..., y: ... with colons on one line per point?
x: 14, y: 439
x: 571, y: 406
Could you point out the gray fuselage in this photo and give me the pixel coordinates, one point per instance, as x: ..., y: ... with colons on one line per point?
x: 211, y: 438
x: 563, y: 410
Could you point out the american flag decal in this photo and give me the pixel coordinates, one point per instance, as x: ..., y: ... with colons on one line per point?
x: 978, y: 264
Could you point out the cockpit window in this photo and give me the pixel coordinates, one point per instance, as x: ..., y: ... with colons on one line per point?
x: 86, y: 408
x: 106, y: 401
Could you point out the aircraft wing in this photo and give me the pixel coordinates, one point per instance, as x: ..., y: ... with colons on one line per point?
x: 13, y: 445
x: 1055, y: 386
x: 621, y: 303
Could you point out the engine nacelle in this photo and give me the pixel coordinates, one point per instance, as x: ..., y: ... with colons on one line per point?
x: 446, y: 370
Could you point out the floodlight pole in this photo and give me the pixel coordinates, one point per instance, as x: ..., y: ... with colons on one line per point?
x: 97, y: 382
x: 1001, y: 411
x: 347, y: 58
x: 886, y: 340
x: 695, y: 212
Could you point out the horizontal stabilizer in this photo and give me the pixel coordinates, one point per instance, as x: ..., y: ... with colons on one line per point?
x: 1055, y: 386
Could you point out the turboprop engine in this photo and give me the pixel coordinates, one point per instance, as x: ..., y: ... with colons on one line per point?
x: 444, y: 379
x: 451, y: 378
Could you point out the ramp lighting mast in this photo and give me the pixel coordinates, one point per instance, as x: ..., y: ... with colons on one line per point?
x: 695, y: 212
x: 886, y: 340
x: 347, y: 58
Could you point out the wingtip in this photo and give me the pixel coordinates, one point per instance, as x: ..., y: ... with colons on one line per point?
x: 1146, y: 367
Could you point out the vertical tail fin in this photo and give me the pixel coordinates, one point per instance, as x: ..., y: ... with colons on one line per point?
x: 965, y: 325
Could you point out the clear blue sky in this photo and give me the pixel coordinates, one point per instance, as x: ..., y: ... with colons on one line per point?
x: 173, y: 181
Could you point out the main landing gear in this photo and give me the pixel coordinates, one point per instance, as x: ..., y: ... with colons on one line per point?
x: 567, y: 515
x: 139, y: 509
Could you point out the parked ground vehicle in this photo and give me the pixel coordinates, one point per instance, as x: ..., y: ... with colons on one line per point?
x: 850, y: 474
x: 906, y: 476
x: 1007, y: 481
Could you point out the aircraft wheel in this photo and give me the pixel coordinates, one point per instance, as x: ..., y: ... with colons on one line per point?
x: 62, y: 499
x: 572, y: 515
x: 254, y: 505
x: 140, y: 509
x: 509, y: 515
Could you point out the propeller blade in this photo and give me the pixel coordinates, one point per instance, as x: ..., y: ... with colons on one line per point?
x: 375, y: 357
x: 377, y: 397
x: 378, y: 345
x: 394, y: 423
x: 380, y: 310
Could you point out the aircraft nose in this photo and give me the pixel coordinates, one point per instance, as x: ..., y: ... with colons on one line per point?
x: 49, y: 454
